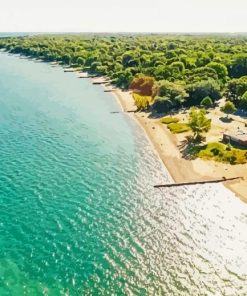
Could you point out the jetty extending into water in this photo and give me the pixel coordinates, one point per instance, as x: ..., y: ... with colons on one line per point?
x: 110, y: 90
x: 196, y: 183
x: 100, y: 82
x: 128, y: 111
x: 69, y: 70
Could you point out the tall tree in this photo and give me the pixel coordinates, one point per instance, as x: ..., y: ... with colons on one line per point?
x: 143, y: 85
x: 198, y: 122
x: 199, y: 90
x: 220, y: 69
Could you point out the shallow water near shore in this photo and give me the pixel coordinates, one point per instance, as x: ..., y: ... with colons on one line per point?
x: 78, y: 211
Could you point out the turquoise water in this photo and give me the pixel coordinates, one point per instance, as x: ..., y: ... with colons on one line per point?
x: 78, y: 212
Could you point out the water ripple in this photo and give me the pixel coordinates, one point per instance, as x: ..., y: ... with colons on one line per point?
x: 78, y: 211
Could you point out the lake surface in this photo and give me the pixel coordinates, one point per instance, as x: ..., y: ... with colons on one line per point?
x: 78, y: 211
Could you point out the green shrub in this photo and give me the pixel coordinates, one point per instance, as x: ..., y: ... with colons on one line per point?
x: 215, y: 151
x: 243, y: 101
x: 228, y: 108
x: 177, y: 128
x: 223, y: 153
x: 167, y: 120
x: 207, y: 102
x: 228, y: 147
x: 163, y: 104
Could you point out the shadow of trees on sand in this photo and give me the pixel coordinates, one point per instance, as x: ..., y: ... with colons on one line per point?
x: 226, y: 119
x: 190, y: 147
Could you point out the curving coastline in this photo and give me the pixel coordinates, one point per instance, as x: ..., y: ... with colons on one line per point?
x: 167, y: 147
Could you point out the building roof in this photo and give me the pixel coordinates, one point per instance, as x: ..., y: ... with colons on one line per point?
x: 240, y: 137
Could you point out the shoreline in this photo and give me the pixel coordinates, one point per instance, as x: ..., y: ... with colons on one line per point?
x: 119, y: 97
x: 166, y: 146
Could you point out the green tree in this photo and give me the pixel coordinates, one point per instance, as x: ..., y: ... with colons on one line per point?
x: 163, y: 104
x: 207, y: 102
x: 171, y: 54
x: 172, y: 91
x: 238, y: 67
x: 199, y: 90
x: 171, y: 46
x: 220, y: 69
x: 203, y: 60
x: 123, y: 78
x: 66, y: 59
x: 178, y: 65
x: 198, y: 122
x: 236, y: 87
x: 162, y: 72
x: 129, y: 59
x: 202, y: 74
x: 243, y: 101
x: 228, y: 108
x: 80, y: 61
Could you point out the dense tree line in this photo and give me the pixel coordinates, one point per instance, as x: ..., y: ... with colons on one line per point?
x: 174, y: 71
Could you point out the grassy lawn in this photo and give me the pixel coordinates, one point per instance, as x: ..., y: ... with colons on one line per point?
x: 177, y: 128
x: 167, y: 120
x: 221, y: 152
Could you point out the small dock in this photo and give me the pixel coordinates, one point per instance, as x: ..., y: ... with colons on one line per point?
x: 100, y: 82
x: 128, y: 111
x: 69, y: 70
x: 196, y: 183
x: 110, y: 90
x: 83, y: 75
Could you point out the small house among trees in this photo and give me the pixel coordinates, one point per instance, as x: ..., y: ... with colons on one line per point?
x: 237, y: 139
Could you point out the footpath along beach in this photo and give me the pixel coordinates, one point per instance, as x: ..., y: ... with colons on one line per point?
x: 167, y: 147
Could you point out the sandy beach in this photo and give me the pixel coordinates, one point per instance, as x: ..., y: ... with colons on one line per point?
x: 167, y: 146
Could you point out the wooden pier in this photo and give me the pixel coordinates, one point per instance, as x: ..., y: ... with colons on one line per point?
x: 118, y: 112
x: 196, y: 183
x: 100, y: 82
x: 69, y: 70
x: 110, y: 90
